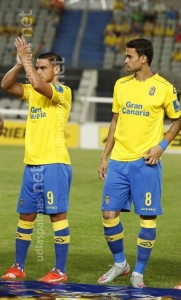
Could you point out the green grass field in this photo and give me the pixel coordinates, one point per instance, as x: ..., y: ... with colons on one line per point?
x: 89, y: 256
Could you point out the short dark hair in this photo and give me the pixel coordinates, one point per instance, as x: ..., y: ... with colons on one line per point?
x: 143, y: 47
x: 53, y: 57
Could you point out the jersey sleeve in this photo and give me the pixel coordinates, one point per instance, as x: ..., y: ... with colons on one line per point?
x: 60, y: 93
x: 62, y: 96
x: 171, y: 103
x: 115, y: 105
x: 26, y: 92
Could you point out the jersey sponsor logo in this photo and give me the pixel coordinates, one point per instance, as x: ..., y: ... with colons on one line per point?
x: 176, y: 105
x: 58, y: 87
x: 135, y: 109
x: 152, y: 91
x: 37, y: 113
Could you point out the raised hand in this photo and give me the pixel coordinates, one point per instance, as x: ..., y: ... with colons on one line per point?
x: 23, y: 49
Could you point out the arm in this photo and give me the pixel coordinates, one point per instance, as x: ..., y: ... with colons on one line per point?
x: 108, y: 148
x: 35, y: 80
x: 173, y: 130
x: 9, y: 83
x: 153, y: 154
x: 1, y: 124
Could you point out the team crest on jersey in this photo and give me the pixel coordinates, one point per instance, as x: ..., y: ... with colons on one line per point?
x: 152, y: 90
x: 58, y: 87
x: 107, y: 199
x: 21, y: 201
x: 176, y: 105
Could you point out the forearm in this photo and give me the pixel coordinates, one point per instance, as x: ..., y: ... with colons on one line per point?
x: 108, y: 148
x: 173, y: 130
x: 10, y: 77
x: 110, y: 140
x: 30, y: 71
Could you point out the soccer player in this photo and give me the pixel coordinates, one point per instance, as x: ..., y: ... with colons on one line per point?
x: 136, y: 143
x: 1, y: 124
x: 47, y: 176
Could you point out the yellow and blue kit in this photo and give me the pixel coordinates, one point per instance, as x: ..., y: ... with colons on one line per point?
x: 141, y: 106
x: 45, y: 130
x: 47, y: 176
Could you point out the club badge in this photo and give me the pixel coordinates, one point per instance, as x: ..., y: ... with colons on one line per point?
x: 152, y: 91
x: 21, y: 201
x: 107, y: 200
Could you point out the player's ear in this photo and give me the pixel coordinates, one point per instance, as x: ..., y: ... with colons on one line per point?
x: 57, y: 69
x: 144, y: 59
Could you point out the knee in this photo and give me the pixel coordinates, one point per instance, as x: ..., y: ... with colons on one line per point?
x: 107, y: 215
x: 148, y: 217
x: 28, y: 217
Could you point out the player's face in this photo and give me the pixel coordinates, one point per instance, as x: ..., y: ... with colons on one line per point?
x: 46, y: 70
x: 133, y: 62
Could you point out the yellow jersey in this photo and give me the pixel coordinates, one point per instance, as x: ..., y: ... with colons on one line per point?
x: 45, y: 129
x: 141, y: 106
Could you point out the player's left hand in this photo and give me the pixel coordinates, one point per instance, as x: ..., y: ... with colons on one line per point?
x: 102, y: 168
x: 152, y: 155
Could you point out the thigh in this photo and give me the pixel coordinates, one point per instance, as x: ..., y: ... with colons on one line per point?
x: 146, y: 187
x: 31, y: 190
x: 116, y: 191
x: 57, y: 182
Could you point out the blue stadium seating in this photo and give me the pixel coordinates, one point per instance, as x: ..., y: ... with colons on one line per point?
x: 67, y: 34
x: 92, y: 49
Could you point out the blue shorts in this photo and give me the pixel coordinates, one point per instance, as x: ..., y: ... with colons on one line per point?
x: 136, y: 182
x: 45, y: 189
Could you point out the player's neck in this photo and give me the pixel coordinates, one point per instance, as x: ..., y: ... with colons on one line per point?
x: 55, y: 80
x: 143, y: 75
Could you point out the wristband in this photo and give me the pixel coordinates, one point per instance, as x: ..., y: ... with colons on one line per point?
x: 163, y: 144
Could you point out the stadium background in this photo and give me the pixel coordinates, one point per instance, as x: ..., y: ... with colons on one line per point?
x: 76, y: 29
